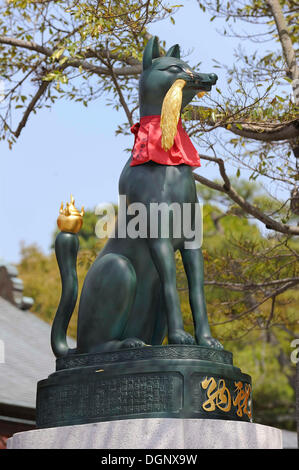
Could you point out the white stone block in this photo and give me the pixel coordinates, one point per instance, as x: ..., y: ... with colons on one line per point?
x: 152, y: 433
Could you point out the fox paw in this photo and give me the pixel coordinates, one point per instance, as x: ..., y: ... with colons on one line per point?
x: 180, y: 337
x: 132, y: 343
x: 210, y: 342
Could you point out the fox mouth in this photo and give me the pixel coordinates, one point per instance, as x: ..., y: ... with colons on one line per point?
x: 199, y: 86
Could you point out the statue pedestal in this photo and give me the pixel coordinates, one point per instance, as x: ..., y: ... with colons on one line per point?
x: 155, y: 397
x: 152, y: 433
x: 175, y: 381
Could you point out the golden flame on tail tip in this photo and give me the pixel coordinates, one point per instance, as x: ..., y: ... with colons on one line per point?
x: 70, y: 219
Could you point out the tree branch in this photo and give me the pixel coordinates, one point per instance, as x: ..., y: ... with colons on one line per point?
x: 120, y: 93
x: 285, y: 39
x: 290, y: 57
x: 133, y: 69
x: 263, y: 131
x: 267, y: 132
x: 227, y: 188
x: 30, y: 45
x: 33, y: 46
x: 238, y: 287
x: 280, y: 290
x: 31, y: 106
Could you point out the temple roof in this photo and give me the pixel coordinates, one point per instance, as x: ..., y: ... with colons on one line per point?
x: 28, y: 357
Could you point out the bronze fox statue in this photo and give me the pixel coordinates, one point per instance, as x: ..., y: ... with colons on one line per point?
x: 129, y: 297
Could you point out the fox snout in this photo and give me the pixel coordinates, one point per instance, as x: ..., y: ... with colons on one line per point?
x: 213, y: 77
x: 201, y: 81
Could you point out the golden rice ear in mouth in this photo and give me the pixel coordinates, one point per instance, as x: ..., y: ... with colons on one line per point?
x: 170, y: 113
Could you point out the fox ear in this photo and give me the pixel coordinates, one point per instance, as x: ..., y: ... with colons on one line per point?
x: 174, y: 51
x: 151, y: 52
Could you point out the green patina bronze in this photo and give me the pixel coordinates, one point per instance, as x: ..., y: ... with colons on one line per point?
x: 173, y: 381
x: 129, y: 297
x: 129, y: 301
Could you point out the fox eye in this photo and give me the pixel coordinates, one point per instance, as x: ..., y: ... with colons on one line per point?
x: 175, y: 69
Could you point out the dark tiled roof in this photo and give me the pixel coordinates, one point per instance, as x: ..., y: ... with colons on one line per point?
x: 27, y: 354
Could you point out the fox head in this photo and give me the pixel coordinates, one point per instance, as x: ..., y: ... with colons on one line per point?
x: 160, y: 74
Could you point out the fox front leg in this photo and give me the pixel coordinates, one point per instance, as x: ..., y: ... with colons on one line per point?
x: 194, y: 268
x: 163, y: 257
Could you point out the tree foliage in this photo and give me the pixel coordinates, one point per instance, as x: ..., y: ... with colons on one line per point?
x: 69, y: 49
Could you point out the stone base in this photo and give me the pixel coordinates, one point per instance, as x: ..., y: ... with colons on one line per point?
x: 152, y: 433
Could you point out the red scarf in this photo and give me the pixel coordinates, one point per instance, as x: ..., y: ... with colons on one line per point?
x: 147, y: 145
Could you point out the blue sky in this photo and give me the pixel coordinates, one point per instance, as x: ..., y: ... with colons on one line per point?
x: 73, y: 149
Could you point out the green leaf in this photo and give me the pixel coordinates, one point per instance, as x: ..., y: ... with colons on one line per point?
x: 58, y: 53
